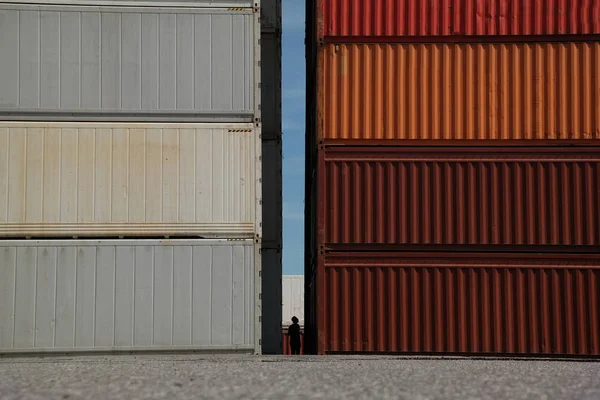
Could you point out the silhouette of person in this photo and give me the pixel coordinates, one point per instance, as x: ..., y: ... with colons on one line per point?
x: 294, y: 334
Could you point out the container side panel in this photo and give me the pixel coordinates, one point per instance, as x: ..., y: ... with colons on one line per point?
x: 182, y: 295
x: 45, y: 312
x: 70, y: 40
x: 4, y: 174
x: 85, y: 296
x: 126, y: 179
x: 66, y: 295
x: 24, y: 309
x: 74, y: 62
x: 29, y: 58
x: 202, y: 277
x: 143, y: 329
x: 52, y: 196
x: 461, y: 303
x: 385, y: 18
x: 459, y: 196
x: 163, y: 296
x: 221, y: 300
x: 238, y: 296
x: 9, y: 62
x: 8, y: 281
x: 541, y: 91
x: 104, y: 333
x: 49, y: 90
x: 126, y: 295
x: 90, y: 61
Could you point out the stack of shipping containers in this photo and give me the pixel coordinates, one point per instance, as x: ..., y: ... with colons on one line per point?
x: 453, y: 176
x: 130, y: 176
x: 270, y: 42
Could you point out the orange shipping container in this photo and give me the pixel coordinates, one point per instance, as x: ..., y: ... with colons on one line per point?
x: 525, y: 91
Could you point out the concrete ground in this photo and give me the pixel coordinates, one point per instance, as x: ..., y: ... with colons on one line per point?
x: 302, y: 377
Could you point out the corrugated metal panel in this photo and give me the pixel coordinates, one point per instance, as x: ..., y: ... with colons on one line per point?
x: 544, y: 91
x: 285, y: 339
x: 460, y: 303
x: 293, y: 298
x: 79, y: 179
x: 457, y: 17
x: 448, y: 195
x: 119, y: 62
x: 126, y: 295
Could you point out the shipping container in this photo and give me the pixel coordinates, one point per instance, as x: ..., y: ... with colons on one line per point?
x: 272, y: 206
x: 106, y: 179
x: 128, y: 63
x: 538, y: 91
x: 128, y: 295
x: 285, y: 339
x: 270, y: 16
x: 270, y: 46
x: 459, y: 303
x: 514, y: 196
x: 293, y: 298
x: 385, y: 20
x: 271, y: 300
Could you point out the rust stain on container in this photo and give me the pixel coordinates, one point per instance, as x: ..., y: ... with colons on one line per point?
x: 544, y: 304
x: 459, y: 196
x: 539, y: 91
x: 392, y: 18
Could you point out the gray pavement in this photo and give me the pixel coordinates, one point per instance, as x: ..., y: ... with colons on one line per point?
x: 303, y: 377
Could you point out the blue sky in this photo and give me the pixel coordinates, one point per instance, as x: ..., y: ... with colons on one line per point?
x: 293, y: 76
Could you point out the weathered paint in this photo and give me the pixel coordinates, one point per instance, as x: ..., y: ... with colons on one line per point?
x: 389, y: 19
x: 459, y: 303
x: 539, y: 91
x: 132, y: 63
x: 120, y: 295
x: 459, y: 196
x: 94, y: 179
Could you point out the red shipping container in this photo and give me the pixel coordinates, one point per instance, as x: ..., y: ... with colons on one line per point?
x: 453, y: 303
x: 509, y: 196
x: 380, y: 20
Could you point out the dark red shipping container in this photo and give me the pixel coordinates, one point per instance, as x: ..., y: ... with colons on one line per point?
x: 285, y: 340
x: 510, y: 196
x: 483, y: 303
x: 384, y: 20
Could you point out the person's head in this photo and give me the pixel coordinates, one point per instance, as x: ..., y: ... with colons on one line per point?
x: 294, y: 319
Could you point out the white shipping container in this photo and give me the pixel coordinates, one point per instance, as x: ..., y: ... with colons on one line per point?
x: 130, y: 63
x: 120, y: 295
x: 102, y: 179
x: 293, y: 298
